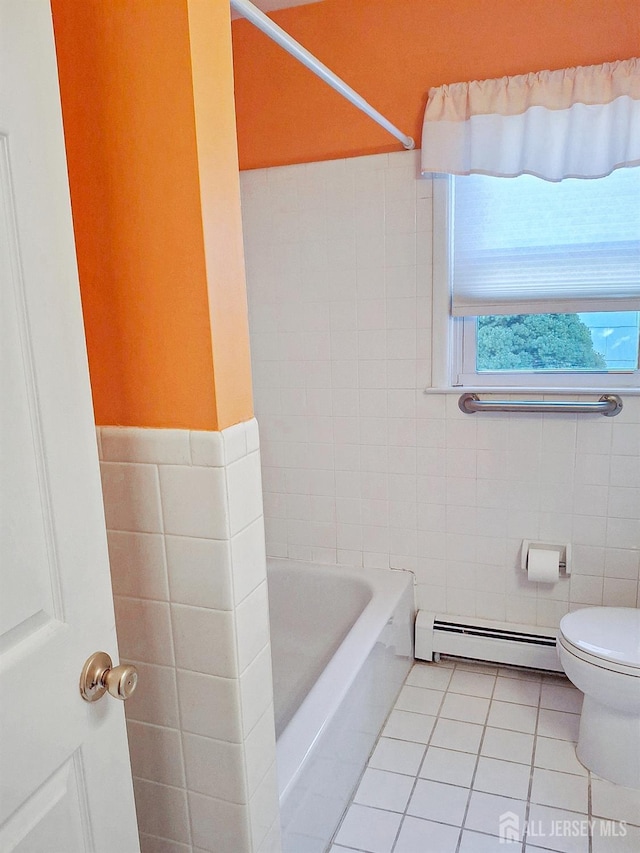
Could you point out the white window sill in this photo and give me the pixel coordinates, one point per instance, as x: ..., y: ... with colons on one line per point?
x: 538, y: 391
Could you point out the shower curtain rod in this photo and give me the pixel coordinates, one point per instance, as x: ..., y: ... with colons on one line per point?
x: 271, y: 29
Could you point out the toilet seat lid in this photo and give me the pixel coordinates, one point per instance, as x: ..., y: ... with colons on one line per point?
x: 610, y: 633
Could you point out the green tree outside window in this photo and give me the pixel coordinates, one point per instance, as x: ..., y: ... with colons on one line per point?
x: 536, y: 342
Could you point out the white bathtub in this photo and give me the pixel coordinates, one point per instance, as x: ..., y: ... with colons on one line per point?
x: 342, y: 644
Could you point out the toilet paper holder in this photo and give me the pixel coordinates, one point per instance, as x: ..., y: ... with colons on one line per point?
x: 564, y: 551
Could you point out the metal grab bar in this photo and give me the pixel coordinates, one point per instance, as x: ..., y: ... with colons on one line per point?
x: 608, y: 405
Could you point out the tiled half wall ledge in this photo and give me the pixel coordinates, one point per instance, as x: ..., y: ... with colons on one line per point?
x: 185, y: 531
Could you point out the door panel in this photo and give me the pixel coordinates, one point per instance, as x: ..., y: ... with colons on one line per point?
x: 27, y: 602
x: 65, y: 779
x: 53, y: 811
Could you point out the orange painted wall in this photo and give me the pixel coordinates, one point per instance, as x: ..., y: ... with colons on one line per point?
x: 391, y: 52
x: 137, y: 151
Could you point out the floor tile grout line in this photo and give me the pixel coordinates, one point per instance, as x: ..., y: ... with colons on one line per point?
x: 332, y: 840
x: 589, y: 810
x: 527, y: 812
x: 454, y: 689
x: 477, y: 762
x: 539, y: 681
x: 426, y: 749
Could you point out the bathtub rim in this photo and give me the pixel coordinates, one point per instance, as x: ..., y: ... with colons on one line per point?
x: 300, y: 735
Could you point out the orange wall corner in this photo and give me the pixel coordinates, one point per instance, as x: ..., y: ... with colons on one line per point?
x: 140, y: 198
x: 211, y: 64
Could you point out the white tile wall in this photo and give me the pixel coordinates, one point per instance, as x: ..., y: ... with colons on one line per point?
x: 359, y: 465
x: 186, y: 545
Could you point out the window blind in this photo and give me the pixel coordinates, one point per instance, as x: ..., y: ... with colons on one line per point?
x: 527, y: 246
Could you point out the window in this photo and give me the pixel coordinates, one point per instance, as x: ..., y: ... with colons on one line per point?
x: 538, y: 283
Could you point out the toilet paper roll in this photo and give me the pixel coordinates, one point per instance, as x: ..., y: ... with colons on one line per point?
x: 543, y: 565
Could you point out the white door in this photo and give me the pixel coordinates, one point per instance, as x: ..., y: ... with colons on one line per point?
x: 65, y: 778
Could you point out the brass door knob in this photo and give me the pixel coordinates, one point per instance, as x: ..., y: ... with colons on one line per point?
x: 99, y: 675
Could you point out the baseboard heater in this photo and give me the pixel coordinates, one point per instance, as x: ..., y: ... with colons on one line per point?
x: 484, y: 640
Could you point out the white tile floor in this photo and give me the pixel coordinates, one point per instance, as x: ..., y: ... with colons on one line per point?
x: 465, y: 745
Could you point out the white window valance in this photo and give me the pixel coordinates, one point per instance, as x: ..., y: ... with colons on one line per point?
x: 574, y: 123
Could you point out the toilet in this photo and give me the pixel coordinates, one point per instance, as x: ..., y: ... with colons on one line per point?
x: 599, y: 649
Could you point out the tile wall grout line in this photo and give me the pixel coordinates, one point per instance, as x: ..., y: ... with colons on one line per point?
x: 175, y: 665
